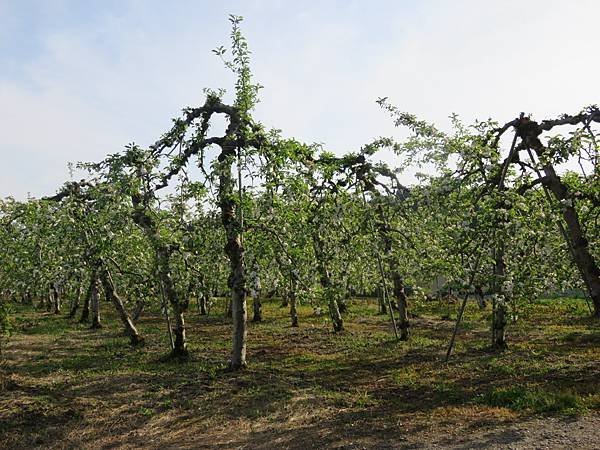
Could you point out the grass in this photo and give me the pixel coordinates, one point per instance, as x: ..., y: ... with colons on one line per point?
x: 61, y: 382
x: 537, y: 400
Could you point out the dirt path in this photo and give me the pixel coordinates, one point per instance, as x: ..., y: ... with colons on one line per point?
x: 540, y: 433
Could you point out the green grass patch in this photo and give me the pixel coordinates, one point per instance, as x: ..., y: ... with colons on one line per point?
x: 534, y: 399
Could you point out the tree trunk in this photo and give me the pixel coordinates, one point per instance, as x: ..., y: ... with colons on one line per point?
x: 381, y: 301
x: 480, y: 297
x: 293, y: 309
x: 588, y: 267
x: 329, y: 291
x: 203, y: 300
x: 394, y: 270
x: 334, y: 310
x: 529, y: 131
x: 285, y: 302
x: 162, y: 256
x: 137, y: 312
x: 77, y: 301
x: 255, y: 293
x: 293, y: 305
x: 401, y: 301
x: 95, y: 305
x: 499, y: 307
x: 85, y: 312
x: 112, y: 296
x: 499, y: 320
x: 235, y: 252
x: 179, y: 306
x: 229, y: 308
x: 55, y: 298
x: 257, y: 309
x: 50, y: 298
x: 179, y: 343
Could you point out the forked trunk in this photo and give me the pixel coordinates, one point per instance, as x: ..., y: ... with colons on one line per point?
x: 394, y: 270
x: 329, y: 291
x: 233, y: 226
x: 178, y: 305
x: 163, y: 251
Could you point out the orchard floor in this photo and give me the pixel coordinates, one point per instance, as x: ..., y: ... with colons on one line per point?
x: 63, y: 385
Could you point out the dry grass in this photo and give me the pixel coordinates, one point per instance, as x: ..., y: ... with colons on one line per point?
x: 65, y: 386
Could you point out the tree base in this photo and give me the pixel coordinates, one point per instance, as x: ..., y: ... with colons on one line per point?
x: 499, y: 347
x: 179, y: 354
x: 236, y: 367
x: 136, y: 341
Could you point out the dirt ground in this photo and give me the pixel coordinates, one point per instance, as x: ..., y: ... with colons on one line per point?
x: 63, y: 385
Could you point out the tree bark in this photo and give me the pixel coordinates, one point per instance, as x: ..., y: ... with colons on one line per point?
x: 137, y: 312
x: 293, y: 299
x: 85, y: 311
x: 401, y: 301
x: 586, y: 263
x: 293, y: 309
x: 77, y: 301
x: 179, y: 306
x: 203, y: 300
x: 499, y: 307
x: 381, y: 301
x: 329, y: 290
x: 285, y: 302
x: 529, y: 131
x: 50, y: 298
x: 180, y: 342
x: 237, y: 279
x: 55, y: 298
x: 255, y: 293
x: 112, y: 296
x: 163, y: 265
x: 394, y: 270
x: 95, y: 305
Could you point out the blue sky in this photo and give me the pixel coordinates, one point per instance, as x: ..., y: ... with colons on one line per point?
x: 81, y: 79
